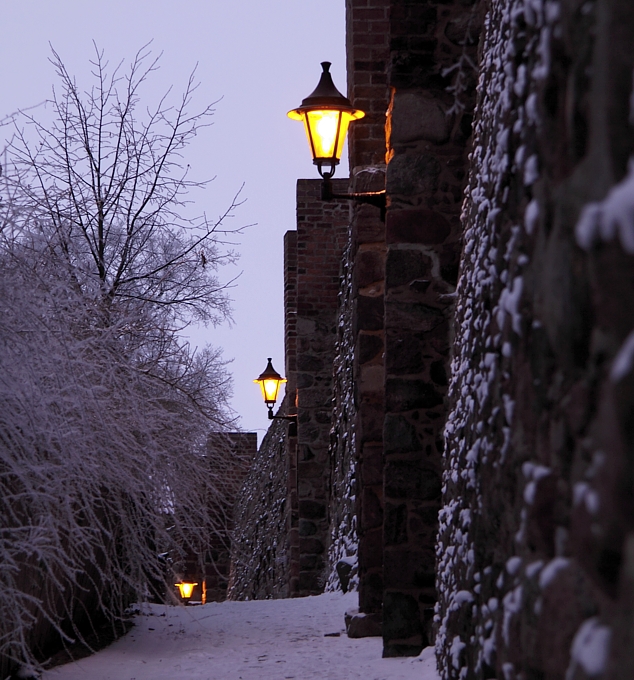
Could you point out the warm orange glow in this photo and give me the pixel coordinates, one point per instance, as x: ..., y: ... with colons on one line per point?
x: 185, y: 589
x: 326, y: 130
x: 270, y: 387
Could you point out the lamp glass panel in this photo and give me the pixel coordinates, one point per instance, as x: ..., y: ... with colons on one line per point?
x: 323, y: 126
x: 185, y: 589
x: 270, y: 388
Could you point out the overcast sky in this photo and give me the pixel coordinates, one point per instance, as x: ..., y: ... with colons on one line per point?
x: 261, y: 58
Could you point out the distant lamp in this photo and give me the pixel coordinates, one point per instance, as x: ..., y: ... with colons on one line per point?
x: 270, y: 381
x: 185, y: 589
x: 326, y: 115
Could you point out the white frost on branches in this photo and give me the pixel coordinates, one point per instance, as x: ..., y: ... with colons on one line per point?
x: 106, y: 474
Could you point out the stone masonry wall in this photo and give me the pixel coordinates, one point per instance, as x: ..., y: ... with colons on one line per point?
x: 260, y: 555
x: 536, y: 549
x: 428, y: 128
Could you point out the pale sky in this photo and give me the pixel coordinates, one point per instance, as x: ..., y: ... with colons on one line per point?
x: 262, y: 58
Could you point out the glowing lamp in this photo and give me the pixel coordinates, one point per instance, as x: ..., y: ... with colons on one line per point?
x: 185, y: 589
x: 270, y: 381
x: 326, y: 115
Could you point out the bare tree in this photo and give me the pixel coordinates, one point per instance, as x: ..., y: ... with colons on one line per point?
x: 104, y: 409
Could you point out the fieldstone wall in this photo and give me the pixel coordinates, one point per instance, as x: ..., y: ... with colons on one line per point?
x: 343, y: 560
x: 536, y: 548
x: 260, y: 549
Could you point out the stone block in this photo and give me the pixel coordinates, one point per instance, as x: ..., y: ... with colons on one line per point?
x: 371, y: 549
x: 310, y: 546
x: 438, y: 373
x: 417, y: 115
x: 413, y: 315
x: 403, y: 353
x: 401, y: 618
x: 399, y: 435
x: 409, y: 174
x: 309, y: 363
x: 310, y: 562
x: 405, y: 265
x: 369, y: 313
x: 408, y: 479
x: 309, y: 509
x: 359, y: 625
x: 406, y: 568
x: 307, y: 528
x: 370, y: 423
x: 369, y: 346
x: 416, y: 225
x: 369, y: 267
x: 371, y: 510
x: 395, y: 525
x: 371, y: 378
x: 406, y: 395
x: 309, y: 582
x: 371, y: 465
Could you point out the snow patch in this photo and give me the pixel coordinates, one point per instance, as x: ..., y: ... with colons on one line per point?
x: 614, y: 216
x: 551, y: 570
x: 590, y: 649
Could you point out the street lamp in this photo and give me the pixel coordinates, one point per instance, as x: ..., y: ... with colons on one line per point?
x: 185, y: 589
x: 326, y: 115
x: 270, y: 381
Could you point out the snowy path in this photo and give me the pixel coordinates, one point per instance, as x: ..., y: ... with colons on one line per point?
x: 259, y: 640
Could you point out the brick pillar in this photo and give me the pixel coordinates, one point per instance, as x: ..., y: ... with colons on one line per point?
x: 367, y: 23
x: 322, y: 230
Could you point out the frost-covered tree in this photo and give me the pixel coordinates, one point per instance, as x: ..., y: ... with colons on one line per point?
x: 105, y: 472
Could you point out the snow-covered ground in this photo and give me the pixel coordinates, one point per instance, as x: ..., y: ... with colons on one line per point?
x: 258, y: 640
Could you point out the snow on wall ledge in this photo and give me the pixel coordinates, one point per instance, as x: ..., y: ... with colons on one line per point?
x: 535, y: 559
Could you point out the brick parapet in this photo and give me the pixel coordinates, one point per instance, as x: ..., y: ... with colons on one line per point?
x: 367, y: 53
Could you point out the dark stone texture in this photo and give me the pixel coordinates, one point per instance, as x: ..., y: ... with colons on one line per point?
x: 404, y: 353
x: 310, y: 546
x: 369, y: 316
x: 416, y: 226
x: 407, y: 479
x: 369, y: 347
x: 309, y: 363
x: 307, y: 528
x: 312, y: 509
x: 344, y: 571
x: 413, y: 315
x: 405, y: 395
x: 410, y: 174
x: 401, y: 619
x: 399, y: 435
x: 395, y: 526
x: 416, y: 115
x: 363, y: 625
x: 405, y: 265
x: 369, y: 267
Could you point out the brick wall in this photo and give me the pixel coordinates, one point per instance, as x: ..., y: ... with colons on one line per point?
x: 321, y: 235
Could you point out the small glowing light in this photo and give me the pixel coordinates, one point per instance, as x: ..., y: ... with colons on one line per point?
x: 270, y: 381
x: 185, y: 589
